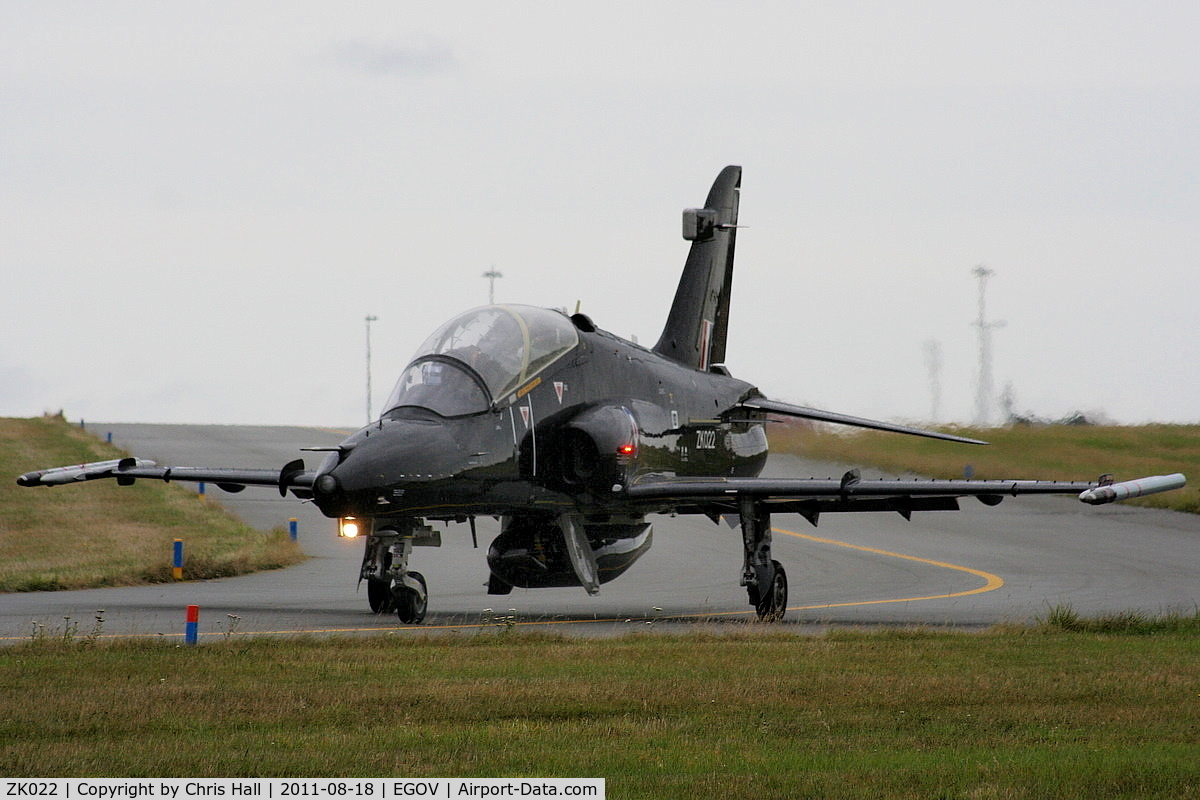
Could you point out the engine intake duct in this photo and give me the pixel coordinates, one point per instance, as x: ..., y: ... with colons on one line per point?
x: 595, y: 447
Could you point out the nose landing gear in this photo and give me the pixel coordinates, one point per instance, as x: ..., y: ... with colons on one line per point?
x: 391, y: 585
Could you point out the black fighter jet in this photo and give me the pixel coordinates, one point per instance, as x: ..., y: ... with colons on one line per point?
x: 573, y: 437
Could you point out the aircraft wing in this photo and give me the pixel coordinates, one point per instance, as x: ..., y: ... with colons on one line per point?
x: 126, y: 470
x: 811, y: 497
x: 803, y: 412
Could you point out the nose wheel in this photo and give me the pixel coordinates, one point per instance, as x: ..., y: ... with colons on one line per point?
x: 411, y: 598
x: 379, y: 595
x: 409, y: 602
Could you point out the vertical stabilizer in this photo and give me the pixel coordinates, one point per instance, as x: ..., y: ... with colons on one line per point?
x: 699, y: 320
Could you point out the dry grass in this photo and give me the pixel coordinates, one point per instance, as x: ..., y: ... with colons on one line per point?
x: 109, y: 535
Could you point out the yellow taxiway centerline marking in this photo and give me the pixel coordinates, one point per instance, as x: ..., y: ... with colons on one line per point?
x: 991, y: 582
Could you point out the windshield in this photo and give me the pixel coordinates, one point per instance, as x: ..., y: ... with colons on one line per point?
x: 506, y: 345
x: 441, y: 386
x: 481, y: 357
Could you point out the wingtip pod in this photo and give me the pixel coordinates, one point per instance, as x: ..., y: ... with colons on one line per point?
x: 1124, y: 490
x: 80, y: 472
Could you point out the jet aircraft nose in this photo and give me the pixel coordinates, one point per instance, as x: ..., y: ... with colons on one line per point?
x: 374, y: 466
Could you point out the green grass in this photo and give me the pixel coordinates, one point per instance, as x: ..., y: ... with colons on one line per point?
x: 1065, y: 618
x: 1053, y: 452
x: 108, y: 535
x: 1028, y: 713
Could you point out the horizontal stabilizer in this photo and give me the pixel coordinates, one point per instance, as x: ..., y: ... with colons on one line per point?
x: 802, y: 412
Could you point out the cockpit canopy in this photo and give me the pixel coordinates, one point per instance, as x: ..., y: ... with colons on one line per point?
x: 481, y: 356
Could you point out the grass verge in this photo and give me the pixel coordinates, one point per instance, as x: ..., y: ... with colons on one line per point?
x: 1065, y: 618
x: 109, y: 535
x: 1027, y: 713
x: 1052, y: 452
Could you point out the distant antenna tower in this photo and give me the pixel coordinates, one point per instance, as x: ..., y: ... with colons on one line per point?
x: 933, y: 361
x: 491, y: 275
x: 983, y: 396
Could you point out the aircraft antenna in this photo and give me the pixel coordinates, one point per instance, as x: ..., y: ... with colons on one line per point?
x: 370, y: 318
x: 984, y: 392
x: 491, y: 275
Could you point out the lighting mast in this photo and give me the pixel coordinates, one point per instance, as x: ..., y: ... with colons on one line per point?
x: 370, y: 318
x: 984, y: 392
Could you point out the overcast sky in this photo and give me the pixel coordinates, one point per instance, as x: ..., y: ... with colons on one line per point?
x: 200, y: 203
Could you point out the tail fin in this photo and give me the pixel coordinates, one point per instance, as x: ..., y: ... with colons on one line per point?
x: 699, y: 320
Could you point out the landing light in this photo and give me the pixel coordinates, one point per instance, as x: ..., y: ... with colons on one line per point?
x: 348, y: 527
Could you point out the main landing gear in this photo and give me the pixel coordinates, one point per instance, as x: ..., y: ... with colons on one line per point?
x: 391, y: 585
x: 764, y: 578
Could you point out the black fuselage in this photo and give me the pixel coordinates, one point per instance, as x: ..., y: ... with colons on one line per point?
x: 599, y: 418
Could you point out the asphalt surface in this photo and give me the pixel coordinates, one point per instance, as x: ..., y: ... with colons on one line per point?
x: 970, y: 569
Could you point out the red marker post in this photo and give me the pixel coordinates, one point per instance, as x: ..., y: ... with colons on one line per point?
x: 192, y: 629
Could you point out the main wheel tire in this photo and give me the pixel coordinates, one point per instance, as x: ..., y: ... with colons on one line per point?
x: 411, y: 605
x: 773, y: 603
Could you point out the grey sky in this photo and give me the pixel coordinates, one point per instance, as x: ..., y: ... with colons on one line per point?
x: 200, y: 204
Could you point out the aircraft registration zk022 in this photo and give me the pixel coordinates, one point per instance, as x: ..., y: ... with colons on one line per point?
x: 573, y: 437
